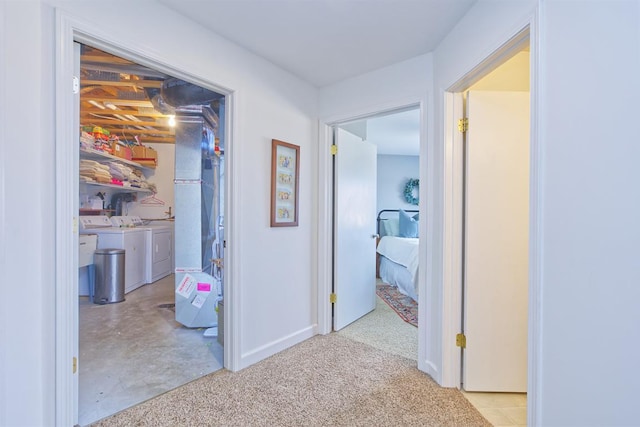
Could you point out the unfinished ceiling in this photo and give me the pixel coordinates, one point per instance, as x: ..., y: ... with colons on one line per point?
x: 114, y: 95
x: 134, y: 102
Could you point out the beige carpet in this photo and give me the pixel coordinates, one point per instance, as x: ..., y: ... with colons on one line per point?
x: 384, y: 330
x: 327, y: 380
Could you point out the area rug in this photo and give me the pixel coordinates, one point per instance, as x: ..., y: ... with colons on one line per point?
x: 405, y: 306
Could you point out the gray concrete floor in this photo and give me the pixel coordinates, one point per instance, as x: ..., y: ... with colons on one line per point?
x: 134, y: 350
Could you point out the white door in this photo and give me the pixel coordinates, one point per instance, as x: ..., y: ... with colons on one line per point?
x: 496, y: 243
x: 355, y: 228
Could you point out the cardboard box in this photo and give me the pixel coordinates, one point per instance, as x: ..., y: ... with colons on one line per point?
x: 143, y: 152
x: 121, y: 151
x: 144, y: 155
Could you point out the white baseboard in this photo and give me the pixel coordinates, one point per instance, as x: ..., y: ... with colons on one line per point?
x: 261, y: 353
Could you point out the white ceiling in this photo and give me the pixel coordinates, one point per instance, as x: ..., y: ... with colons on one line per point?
x: 397, y: 133
x: 326, y: 41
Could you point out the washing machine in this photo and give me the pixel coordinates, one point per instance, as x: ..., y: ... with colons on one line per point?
x: 133, y: 240
x: 159, y: 244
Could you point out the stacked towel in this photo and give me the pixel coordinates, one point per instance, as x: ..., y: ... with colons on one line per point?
x: 96, y: 171
x: 113, y: 173
x: 119, y: 171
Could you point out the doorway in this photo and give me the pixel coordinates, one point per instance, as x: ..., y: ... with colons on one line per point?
x: 133, y: 122
x: 67, y: 200
x: 493, y: 180
x: 394, y: 137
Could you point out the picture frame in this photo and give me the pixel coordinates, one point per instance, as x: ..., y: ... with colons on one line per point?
x: 285, y: 176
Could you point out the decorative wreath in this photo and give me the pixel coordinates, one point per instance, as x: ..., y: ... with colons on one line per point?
x: 412, y: 184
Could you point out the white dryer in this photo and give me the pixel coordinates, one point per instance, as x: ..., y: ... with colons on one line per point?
x: 159, y: 245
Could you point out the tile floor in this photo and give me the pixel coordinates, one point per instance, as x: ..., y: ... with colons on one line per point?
x: 500, y: 409
x: 134, y: 350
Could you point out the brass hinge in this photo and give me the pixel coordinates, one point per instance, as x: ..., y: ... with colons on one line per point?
x: 334, y: 149
x: 75, y: 364
x: 463, y: 125
x: 461, y: 341
x: 333, y: 298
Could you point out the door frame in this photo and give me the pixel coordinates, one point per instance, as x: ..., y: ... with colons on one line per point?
x: 326, y: 209
x: 452, y: 285
x: 70, y: 29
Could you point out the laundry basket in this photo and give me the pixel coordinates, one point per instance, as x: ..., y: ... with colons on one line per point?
x: 109, y: 266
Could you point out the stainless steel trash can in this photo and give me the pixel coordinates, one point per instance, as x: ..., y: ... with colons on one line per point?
x: 109, y: 265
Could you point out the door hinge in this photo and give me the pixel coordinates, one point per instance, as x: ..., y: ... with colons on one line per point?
x: 334, y: 149
x: 461, y: 341
x: 75, y: 364
x: 333, y: 298
x: 75, y: 85
x: 463, y: 125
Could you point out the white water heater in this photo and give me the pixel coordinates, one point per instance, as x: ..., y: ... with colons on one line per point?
x: 198, y: 227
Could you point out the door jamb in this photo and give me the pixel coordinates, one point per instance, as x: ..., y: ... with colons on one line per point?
x: 69, y: 30
x: 452, y: 311
x: 325, y: 213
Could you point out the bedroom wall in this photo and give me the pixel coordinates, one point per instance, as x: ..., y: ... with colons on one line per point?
x: 393, y: 173
x: 270, y: 104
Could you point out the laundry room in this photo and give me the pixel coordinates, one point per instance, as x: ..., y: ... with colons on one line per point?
x: 150, y: 232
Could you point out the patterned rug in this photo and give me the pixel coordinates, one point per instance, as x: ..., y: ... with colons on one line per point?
x: 406, y: 307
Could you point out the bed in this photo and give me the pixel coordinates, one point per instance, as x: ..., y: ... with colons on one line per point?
x: 397, y: 250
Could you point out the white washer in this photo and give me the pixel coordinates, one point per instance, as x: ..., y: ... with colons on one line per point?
x: 131, y: 239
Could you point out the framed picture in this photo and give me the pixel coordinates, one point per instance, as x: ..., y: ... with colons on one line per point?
x: 285, y: 169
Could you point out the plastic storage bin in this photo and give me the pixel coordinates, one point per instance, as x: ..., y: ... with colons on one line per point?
x: 109, y: 285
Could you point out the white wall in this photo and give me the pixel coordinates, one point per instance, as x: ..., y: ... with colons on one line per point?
x: 393, y: 174
x: 162, y: 176
x: 513, y: 75
x: 270, y: 104
x: 388, y: 87
x: 590, y: 63
x: 588, y: 196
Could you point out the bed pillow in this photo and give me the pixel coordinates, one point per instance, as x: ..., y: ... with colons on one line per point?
x: 389, y: 227
x: 408, y: 225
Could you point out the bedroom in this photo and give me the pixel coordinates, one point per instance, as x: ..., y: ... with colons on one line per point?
x: 396, y: 135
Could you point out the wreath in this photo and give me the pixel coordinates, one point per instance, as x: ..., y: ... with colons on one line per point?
x: 412, y: 184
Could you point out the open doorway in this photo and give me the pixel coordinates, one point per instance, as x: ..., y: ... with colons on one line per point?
x: 141, y: 131
x: 493, y: 171
x: 391, y: 321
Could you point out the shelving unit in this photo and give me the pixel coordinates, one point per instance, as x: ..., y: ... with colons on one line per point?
x: 91, y: 154
x: 118, y: 187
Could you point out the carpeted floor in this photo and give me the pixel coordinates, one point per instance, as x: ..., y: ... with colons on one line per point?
x: 403, y: 305
x: 328, y: 380
x: 384, y: 330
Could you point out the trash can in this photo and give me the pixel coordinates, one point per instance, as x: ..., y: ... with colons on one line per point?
x: 109, y: 284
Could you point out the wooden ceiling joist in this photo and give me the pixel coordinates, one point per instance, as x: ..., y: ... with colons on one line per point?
x: 118, y: 122
x: 135, y: 112
x: 157, y: 84
x: 117, y: 101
